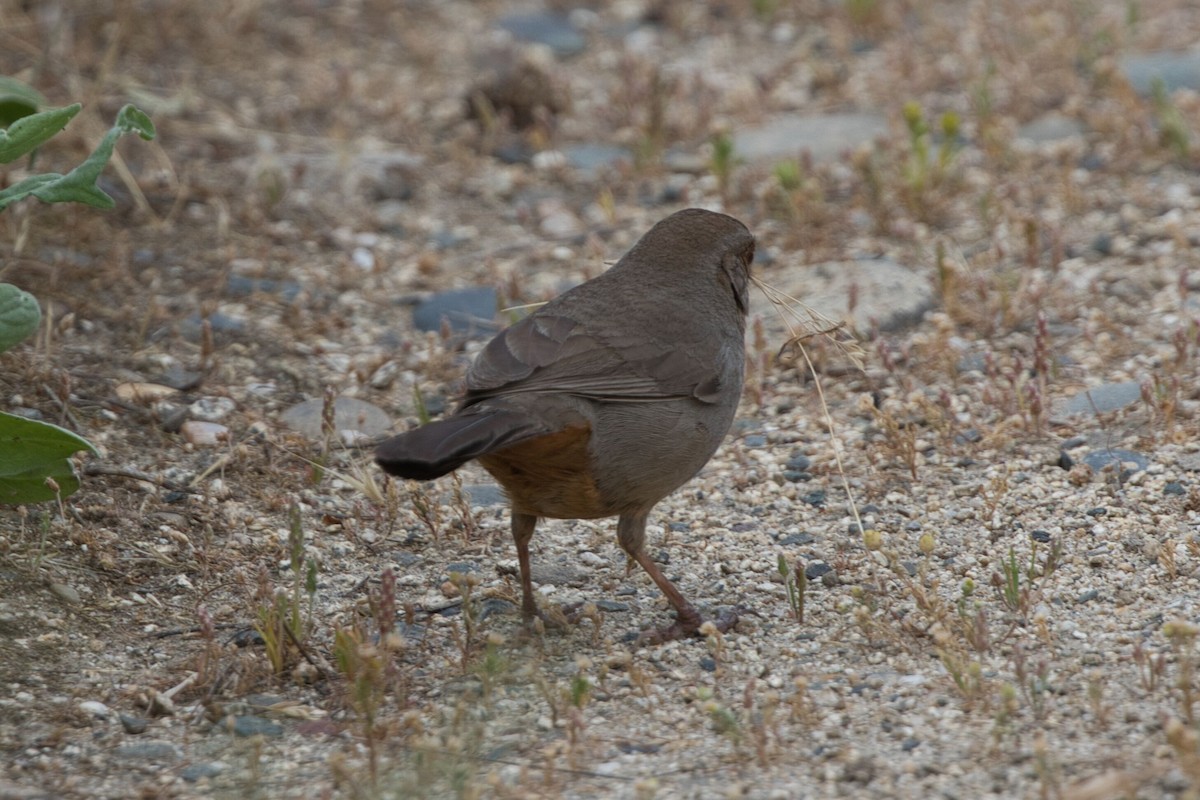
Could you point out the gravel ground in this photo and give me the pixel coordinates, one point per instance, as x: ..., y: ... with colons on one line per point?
x: 999, y: 593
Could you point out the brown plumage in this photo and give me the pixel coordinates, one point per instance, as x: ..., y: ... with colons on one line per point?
x: 609, y: 397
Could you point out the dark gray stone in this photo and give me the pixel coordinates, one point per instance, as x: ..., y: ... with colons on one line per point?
x: 817, y: 569
x: 241, y: 286
x: 150, y: 751
x: 249, y: 725
x: 471, y: 311
x: 611, y: 606
x: 209, y: 769
x: 590, y: 159
x: 1116, y: 459
x: 1176, y: 70
x: 132, y: 724
x: 545, y: 27
x: 799, y: 462
x: 1104, y: 398
x: 485, y: 494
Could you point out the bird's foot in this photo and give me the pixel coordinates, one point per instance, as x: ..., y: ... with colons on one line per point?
x: 564, y: 616
x: 686, y: 625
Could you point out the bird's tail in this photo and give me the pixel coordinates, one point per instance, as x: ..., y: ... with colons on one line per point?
x: 441, y: 447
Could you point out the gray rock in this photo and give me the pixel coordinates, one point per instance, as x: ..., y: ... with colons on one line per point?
x: 249, y: 725
x: 545, y: 27
x: 824, y: 136
x: 242, y: 286
x: 15, y: 791
x: 558, y: 575
x: 485, y: 494
x: 471, y: 311
x: 222, y: 325
x: 208, y: 769
x: 1117, y: 459
x: 1103, y: 399
x: 887, y: 295
x: 132, y: 724
x: 590, y: 159
x: 1052, y: 127
x: 349, y: 414
x: 150, y: 751
x: 1177, y: 70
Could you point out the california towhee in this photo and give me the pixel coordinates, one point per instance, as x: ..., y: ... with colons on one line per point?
x: 609, y: 397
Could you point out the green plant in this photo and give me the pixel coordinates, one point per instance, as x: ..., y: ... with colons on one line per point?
x: 78, y: 185
x: 1173, y: 131
x: 1182, y: 635
x: 925, y: 175
x: 796, y: 582
x: 37, y: 465
x: 283, y: 622
x: 722, y: 161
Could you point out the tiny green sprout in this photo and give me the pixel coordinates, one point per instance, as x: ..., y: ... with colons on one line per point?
x: 722, y: 161
x: 581, y: 690
x: 926, y: 543
x: 724, y: 721
x: 419, y: 405
x: 914, y: 119
x: 968, y: 587
x: 788, y: 174
x: 872, y: 538
x: 796, y: 582
x: 951, y: 125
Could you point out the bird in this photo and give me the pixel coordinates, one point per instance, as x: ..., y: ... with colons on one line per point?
x: 607, y: 398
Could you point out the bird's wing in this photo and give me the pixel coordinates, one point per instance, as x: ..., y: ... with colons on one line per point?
x: 553, y: 353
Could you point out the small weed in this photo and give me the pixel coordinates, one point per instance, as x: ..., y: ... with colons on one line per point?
x: 1035, y: 685
x: 1095, y: 693
x: 724, y: 720
x: 722, y: 161
x: 967, y: 675
x: 466, y: 639
x: 426, y: 508
x: 1006, y: 712
x: 925, y: 175
x: 362, y: 664
x: 285, y: 620
x: 1173, y: 132
x: 796, y: 582
x: 1150, y: 667
x: 1182, y: 637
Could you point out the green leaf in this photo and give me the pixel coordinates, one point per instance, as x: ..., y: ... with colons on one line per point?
x: 30, y: 131
x: 132, y: 120
x: 17, y: 100
x: 79, y: 185
x: 34, y: 451
x: 19, y: 315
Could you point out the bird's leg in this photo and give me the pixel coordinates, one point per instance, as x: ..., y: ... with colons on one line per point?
x: 522, y: 531
x: 631, y: 535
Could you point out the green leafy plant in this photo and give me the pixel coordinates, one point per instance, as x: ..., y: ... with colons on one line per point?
x: 78, y: 185
x: 37, y: 465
